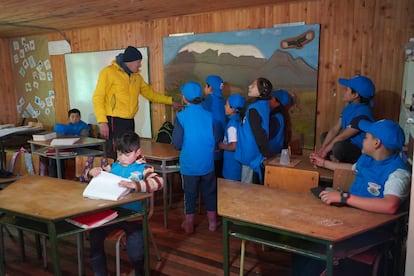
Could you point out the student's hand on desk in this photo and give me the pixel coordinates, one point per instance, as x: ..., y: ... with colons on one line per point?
x: 316, y: 160
x: 95, y: 171
x: 329, y: 197
x: 128, y: 184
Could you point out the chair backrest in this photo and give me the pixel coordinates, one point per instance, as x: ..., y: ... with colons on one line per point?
x: 343, y: 179
x: 290, y: 179
x: 19, y: 161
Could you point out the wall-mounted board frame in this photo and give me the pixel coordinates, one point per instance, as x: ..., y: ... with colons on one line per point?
x: 82, y: 70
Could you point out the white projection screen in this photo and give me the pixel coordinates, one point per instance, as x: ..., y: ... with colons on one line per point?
x: 82, y: 70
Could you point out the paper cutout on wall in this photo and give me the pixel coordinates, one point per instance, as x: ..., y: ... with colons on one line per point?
x: 34, y: 79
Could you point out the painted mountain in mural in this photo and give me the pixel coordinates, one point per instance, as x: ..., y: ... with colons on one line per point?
x: 239, y: 65
x: 240, y: 70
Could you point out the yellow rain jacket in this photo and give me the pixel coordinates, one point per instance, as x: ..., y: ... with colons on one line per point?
x: 116, y: 94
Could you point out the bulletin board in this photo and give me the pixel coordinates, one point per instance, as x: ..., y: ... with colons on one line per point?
x: 82, y: 70
x: 33, y: 77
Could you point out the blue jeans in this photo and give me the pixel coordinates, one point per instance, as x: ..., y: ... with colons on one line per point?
x: 134, y: 246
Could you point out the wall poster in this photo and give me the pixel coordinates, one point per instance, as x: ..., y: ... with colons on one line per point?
x: 287, y: 55
x: 33, y: 78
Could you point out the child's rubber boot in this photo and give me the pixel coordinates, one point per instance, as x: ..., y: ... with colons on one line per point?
x: 212, y: 220
x: 188, y: 224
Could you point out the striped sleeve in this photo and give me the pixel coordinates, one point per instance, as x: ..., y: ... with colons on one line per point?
x: 150, y: 182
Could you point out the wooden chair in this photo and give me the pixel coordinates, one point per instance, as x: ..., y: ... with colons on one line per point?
x: 343, y: 179
x: 287, y: 179
x: 290, y: 178
x: 117, y: 235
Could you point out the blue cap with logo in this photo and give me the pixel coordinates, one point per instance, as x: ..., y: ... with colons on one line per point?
x: 362, y: 85
x: 389, y: 132
x: 191, y: 90
x: 236, y: 101
x: 282, y: 96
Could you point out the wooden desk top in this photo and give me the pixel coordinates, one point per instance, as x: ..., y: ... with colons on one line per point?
x: 82, y: 142
x: 53, y: 199
x: 301, y: 213
x: 304, y: 164
x: 158, y: 151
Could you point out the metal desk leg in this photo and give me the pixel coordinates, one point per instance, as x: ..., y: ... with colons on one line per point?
x: 225, y: 246
x: 165, y: 191
x: 145, y: 236
x: 58, y: 165
x: 79, y: 238
x: 329, y: 260
x: 54, y: 248
x: 2, y: 265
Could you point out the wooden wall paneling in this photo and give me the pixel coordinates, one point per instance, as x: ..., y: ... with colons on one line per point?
x: 8, y: 101
x: 352, y: 41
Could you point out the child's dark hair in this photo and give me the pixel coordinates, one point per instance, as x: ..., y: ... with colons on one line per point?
x: 128, y: 142
x: 265, y: 87
x: 74, y: 110
x: 362, y: 100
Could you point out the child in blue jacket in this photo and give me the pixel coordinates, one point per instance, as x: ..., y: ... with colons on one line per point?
x: 214, y: 102
x: 231, y: 167
x: 193, y: 135
x: 253, y: 135
x: 279, y: 124
x: 75, y: 125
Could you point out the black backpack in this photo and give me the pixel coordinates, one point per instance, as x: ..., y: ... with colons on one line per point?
x: 164, y: 134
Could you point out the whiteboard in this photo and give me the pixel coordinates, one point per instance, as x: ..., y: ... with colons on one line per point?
x: 82, y: 71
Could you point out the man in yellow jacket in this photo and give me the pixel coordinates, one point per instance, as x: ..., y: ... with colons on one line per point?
x: 115, y: 99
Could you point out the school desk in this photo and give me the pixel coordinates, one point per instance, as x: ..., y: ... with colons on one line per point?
x: 296, y: 222
x: 302, y: 162
x: 82, y: 147
x: 165, y: 159
x: 9, y: 133
x: 41, y: 205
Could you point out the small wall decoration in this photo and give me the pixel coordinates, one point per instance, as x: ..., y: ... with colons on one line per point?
x: 33, y: 76
x: 287, y: 55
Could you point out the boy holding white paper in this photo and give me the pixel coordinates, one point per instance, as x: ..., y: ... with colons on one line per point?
x: 130, y: 165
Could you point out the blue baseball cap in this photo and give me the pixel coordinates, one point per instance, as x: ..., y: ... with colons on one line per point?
x: 389, y: 132
x: 191, y: 90
x: 216, y: 83
x: 282, y: 96
x: 362, y: 85
x: 236, y: 101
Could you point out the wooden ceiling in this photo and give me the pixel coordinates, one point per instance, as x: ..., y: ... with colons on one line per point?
x: 29, y: 17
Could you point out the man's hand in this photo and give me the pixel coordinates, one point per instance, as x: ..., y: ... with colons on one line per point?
x: 104, y: 130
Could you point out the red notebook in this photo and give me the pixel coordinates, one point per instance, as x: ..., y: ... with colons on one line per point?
x: 94, y: 219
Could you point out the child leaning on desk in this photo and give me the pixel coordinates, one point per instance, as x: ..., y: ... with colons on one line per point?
x: 75, y: 125
x: 193, y: 134
x: 131, y: 165
x: 382, y: 179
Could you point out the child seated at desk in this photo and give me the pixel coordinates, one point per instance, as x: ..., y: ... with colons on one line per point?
x: 382, y: 179
x: 129, y: 164
x: 75, y: 126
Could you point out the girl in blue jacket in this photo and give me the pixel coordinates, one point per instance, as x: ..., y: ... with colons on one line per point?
x: 253, y: 134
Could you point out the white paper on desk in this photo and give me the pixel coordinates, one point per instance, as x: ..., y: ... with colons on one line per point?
x: 64, y: 141
x: 105, y: 186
